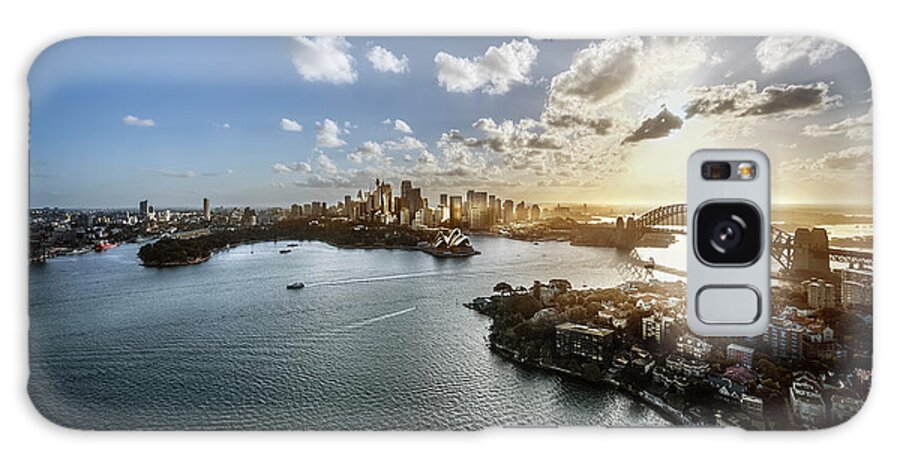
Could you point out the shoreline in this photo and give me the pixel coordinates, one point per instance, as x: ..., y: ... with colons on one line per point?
x: 654, y: 402
x: 435, y: 253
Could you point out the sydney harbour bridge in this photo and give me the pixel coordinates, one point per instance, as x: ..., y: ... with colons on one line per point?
x: 803, y: 251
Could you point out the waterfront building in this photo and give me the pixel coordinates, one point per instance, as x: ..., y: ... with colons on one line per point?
x: 656, y: 327
x: 693, y: 347
x: 442, y: 213
x: 688, y: 367
x: 535, y: 213
x: 819, y: 294
x: 404, y: 216
x: 492, y: 212
x: 207, y: 211
x: 856, y: 287
x: 348, y: 206
x: 806, y: 402
x: 546, y: 293
x: 521, y: 212
x: 582, y: 340
x: 741, y: 355
x: 509, y: 208
x: 784, y: 337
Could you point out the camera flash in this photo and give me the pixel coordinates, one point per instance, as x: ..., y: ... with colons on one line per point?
x: 746, y: 170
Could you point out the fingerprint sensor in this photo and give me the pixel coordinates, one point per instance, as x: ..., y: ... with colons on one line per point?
x: 728, y: 304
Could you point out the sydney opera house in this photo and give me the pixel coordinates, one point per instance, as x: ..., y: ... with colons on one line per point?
x: 453, y: 244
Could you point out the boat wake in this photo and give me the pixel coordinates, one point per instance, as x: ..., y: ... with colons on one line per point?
x: 373, y: 320
x: 373, y: 279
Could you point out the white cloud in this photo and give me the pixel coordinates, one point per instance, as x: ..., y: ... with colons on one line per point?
x: 774, y: 53
x: 190, y: 174
x: 401, y: 126
x: 367, y: 151
x: 324, y: 59
x: 597, y: 72
x: 290, y: 125
x: 300, y: 167
x: 622, y: 76
x: 854, y: 128
x: 132, y: 120
x: 329, y: 134
x: 383, y: 60
x: 281, y: 168
x: 405, y: 143
x: 492, y: 73
x: 325, y: 164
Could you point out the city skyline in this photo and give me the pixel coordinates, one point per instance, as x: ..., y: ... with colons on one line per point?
x: 276, y: 121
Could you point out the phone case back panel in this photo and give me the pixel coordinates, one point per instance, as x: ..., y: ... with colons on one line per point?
x: 408, y: 233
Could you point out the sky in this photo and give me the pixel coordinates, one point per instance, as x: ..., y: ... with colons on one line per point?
x: 272, y: 121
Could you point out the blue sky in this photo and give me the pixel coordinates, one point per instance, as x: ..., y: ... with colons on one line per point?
x: 115, y: 120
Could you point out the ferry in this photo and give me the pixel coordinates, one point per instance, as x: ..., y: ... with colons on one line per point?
x: 103, y: 246
x: 285, y: 251
x: 296, y: 286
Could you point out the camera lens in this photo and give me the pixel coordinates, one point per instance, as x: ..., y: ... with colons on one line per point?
x: 728, y: 233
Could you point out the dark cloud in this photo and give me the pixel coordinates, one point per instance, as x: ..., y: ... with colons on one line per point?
x: 743, y: 99
x: 599, y: 126
x: 656, y: 127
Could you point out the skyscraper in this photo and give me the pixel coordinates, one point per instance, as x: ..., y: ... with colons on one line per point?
x: 143, y: 208
x: 521, y: 212
x: 415, y: 201
x: 207, y: 211
x: 479, y: 215
x: 405, y: 187
x: 455, y: 211
x: 443, y: 200
x: 509, y: 209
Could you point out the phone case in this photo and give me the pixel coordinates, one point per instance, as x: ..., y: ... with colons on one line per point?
x: 439, y: 233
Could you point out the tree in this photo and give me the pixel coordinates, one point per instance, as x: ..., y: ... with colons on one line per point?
x: 503, y: 288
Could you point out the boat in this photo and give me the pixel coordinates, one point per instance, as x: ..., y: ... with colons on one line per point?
x: 285, y: 251
x: 103, y: 246
x: 296, y: 286
x: 292, y: 245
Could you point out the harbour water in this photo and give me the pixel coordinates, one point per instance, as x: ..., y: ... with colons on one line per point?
x: 378, y: 339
